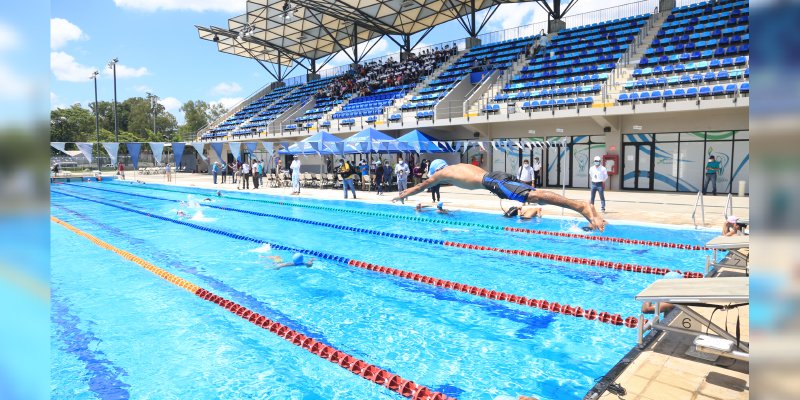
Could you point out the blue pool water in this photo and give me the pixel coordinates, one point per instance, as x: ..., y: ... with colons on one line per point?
x: 119, y: 331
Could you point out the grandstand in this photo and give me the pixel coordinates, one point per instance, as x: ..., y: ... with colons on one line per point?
x: 656, y: 83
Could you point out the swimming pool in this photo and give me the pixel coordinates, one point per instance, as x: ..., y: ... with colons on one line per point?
x: 382, y: 290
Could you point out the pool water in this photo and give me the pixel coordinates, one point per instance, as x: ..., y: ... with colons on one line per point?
x: 118, y: 331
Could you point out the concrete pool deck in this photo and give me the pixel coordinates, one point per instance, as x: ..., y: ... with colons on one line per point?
x: 661, y: 370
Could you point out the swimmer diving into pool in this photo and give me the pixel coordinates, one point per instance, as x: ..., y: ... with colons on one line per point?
x: 505, y: 186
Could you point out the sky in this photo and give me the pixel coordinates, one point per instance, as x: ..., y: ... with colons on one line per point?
x: 160, y: 52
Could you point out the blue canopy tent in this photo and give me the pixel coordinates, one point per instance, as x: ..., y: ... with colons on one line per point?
x: 371, y: 140
x: 322, y: 143
x: 420, y: 142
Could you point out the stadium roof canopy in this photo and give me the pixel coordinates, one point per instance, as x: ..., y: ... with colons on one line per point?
x: 286, y: 32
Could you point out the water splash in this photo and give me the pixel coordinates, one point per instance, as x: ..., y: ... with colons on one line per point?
x: 264, y: 248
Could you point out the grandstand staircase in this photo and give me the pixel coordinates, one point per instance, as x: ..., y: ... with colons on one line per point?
x: 624, y: 70
x: 395, y: 108
x: 496, y: 87
x: 264, y: 108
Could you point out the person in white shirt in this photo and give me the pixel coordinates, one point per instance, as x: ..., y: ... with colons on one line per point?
x: 525, y: 173
x: 245, y: 176
x: 295, y: 167
x: 598, y: 175
x: 402, y: 171
x: 537, y: 172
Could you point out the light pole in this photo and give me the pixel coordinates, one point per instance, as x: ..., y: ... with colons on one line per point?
x: 113, y: 65
x: 154, y: 106
x: 96, y: 117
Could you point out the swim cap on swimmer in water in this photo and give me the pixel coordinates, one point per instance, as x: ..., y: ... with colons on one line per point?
x: 440, y: 205
x: 297, y: 258
x: 436, y: 165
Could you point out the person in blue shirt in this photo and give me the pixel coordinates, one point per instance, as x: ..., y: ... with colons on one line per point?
x: 712, y: 169
x: 363, y: 168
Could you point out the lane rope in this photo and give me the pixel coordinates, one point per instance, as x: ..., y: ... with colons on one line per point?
x: 359, y: 367
x: 651, y: 243
x: 566, y: 309
x: 644, y: 269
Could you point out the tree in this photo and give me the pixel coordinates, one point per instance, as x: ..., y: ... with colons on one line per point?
x: 199, y: 114
x: 73, y: 124
x: 215, y: 111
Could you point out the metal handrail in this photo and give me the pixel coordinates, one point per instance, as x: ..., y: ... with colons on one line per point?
x: 728, y: 206
x: 699, y: 201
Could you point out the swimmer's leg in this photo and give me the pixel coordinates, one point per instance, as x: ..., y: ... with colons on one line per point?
x: 545, y: 197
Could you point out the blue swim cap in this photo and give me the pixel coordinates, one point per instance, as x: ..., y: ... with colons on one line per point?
x: 297, y: 258
x: 440, y: 205
x: 436, y: 165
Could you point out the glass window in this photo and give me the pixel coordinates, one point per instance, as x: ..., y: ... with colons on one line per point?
x: 665, y: 170
x: 740, y: 167
x: 719, y: 136
x: 689, y: 136
x: 691, y: 162
x: 742, y: 135
x: 667, y: 137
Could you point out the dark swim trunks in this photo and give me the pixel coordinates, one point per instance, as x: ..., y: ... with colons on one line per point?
x: 506, y: 186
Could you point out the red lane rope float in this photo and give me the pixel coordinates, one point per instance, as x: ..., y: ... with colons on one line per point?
x: 548, y: 256
x: 609, y: 239
x: 370, y: 372
x: 566, y: 309
x: 474, y: 290
x: 578, y: 260
x: 444, y: 221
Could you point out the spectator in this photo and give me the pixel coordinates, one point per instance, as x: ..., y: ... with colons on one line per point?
x: 712, y: 168
x: 168, y: 172
x: 223, y: 170
x: 215, y: 171
x: 254, y: 172
x: 598, y: 175
x: 401, y: 170
x: 417, y: 174
x: 295, y: 167
x: 435, y: 196
x: 537, y: 172
x: 525, y: 173
x: 246, y: 175
x: 387, y: 174
x: 238, y: 175
x: 261, y: 173
x: 363, y: 168
x: 379, y: 177
x: 232, y: 170
x: 346, y: 170
x: 120, y: 171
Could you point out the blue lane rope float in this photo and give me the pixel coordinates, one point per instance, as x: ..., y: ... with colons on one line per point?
x: 652, y: 243
x: 566, y: 309
x: 524, y: 253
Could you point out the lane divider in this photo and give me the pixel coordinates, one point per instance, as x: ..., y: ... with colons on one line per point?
x: 359, y: 367
x: 651, y: 243
x: 524, y: 253
x: 566, y: 309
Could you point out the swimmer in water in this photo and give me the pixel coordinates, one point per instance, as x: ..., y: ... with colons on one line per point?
x: 207, y: 199
x: 181, y: 214
x: 219, y: 194
x: 297, y: 260
x: 439, y: 208
x: 524, y: 212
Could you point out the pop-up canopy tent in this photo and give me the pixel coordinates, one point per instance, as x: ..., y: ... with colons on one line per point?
x: 420, y: 142
x: 371, y: 140
x: 322, y: 143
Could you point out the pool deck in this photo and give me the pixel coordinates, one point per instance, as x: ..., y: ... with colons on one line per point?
x: 662, y: 369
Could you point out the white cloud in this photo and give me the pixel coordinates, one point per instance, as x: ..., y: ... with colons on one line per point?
x: 63, y: 31
x: 227, y: 6
x: 9, y: 38
x: 124, y: 71
x: 225, y: 88
x: 143, y: 89
x: 512, y: 15
x: 12, y: 85
x: 65, y: 68
x: 228, y: 102
x: 171, y: 104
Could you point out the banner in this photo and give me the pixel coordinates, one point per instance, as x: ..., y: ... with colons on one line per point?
x: 86, y: 149
x: 134, y: 149
x: 58, y: 146
x: 112, y: 148
x: 251, y: 147
x: 269, y: 147
x: 177, y: 153
x: 236, y: 150
x: 199, y: 147
x: 217, y: 149
x: 158, y: 151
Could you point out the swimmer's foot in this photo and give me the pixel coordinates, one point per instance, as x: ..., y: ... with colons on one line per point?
x: 596, y: 221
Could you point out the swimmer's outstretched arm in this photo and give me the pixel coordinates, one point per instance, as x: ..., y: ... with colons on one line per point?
x: 432, y: 181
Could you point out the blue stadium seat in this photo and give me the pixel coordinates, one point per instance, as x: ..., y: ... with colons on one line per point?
x: 717, y: 90
x: 744, y: 87
x: 668, y: 94
x: 395, y: 117
x: 325, y: 124
x: 704, y: 91
x: 730, y: 88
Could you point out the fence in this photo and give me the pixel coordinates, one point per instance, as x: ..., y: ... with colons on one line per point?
x: 681, y: 3
x: 611, y: 13
x: 513, y: 33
